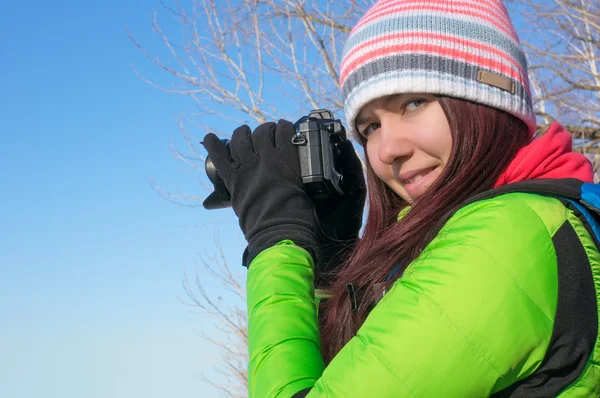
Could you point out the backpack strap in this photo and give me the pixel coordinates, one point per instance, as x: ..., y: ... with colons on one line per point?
x: 589, y: 218
x: 589, y: 207
x: 569, y: 188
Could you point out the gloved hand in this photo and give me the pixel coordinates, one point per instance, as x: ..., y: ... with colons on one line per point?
x: 340, y: 221
x: 261, y: 170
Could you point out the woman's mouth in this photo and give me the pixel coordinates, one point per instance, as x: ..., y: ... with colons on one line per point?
x: 415, y: 178
x: 417, y: 184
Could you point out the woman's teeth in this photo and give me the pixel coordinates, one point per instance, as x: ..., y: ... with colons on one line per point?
x: 414, y: 179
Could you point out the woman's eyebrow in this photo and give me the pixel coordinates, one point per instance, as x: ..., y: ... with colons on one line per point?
x: 361, y: 119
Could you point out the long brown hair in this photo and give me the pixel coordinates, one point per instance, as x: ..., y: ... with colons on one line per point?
x: 485, y: 140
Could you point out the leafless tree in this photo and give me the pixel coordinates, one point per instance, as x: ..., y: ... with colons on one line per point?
x: 229, y: 315
x: 562, y: 41
x: 250, y: 61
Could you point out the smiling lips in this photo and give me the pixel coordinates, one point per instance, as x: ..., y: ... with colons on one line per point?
x: 415, y: 175
x: 414, y: 179
x: 417, y: 181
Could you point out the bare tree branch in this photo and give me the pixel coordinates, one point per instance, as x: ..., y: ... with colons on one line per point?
x: 230, y: 318
x: 563, y: 48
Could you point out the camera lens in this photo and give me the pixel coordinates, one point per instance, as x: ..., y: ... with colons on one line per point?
x: 221, y: 197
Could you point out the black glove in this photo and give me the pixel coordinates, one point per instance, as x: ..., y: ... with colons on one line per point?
x: 262, y: 172
x: 340, y: 221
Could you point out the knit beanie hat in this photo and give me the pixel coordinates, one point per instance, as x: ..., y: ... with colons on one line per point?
x: 466, y: 49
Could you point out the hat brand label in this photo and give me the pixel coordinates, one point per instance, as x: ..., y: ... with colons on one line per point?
x: 495, y: 80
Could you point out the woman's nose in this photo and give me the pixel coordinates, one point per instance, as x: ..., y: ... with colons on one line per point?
x: 394, y: 143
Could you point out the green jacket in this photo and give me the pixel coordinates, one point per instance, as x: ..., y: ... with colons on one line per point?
x: 487, y: 308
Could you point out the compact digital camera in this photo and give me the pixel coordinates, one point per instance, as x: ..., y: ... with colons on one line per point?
x: 317, y: 137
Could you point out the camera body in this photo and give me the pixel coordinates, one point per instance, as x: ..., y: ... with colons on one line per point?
x: 317, y: 136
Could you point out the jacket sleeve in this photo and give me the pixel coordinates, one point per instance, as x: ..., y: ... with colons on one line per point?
x: 472, y: 315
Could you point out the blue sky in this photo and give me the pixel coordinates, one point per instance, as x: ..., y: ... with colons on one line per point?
x: 91, y: 258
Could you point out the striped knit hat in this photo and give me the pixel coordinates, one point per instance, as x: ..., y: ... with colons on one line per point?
x: 459, y: 48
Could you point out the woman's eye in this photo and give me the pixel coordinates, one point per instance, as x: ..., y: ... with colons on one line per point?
x: 370, y: 128
x: 415, y: 104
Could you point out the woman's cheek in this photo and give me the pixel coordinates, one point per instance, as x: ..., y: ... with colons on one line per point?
x: 374, y: 161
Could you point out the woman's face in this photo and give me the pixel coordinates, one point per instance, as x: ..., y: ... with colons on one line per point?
x: 408, y: 141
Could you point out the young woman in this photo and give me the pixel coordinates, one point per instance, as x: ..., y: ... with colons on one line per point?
x: 443, y: 295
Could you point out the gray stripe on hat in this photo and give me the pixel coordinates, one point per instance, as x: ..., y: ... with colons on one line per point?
x: 423, y: 62
x: 442, y: 25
